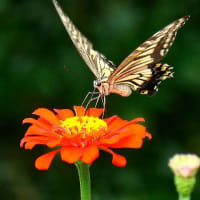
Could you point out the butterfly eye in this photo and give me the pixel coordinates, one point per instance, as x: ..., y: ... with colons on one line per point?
x: 97, y: 83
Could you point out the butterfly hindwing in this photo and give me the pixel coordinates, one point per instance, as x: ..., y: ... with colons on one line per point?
x: 98, y: 63
x: 158, y: 73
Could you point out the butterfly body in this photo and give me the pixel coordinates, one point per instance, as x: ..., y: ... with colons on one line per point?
x: 139, y: 71
x: 105, y: 88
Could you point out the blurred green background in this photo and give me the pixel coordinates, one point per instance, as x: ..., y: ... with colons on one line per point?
x: 40, y: 67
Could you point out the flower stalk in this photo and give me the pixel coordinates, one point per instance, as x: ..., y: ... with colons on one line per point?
x: 84, y: 179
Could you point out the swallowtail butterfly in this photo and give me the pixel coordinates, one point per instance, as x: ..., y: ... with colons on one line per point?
x: 140, y: 71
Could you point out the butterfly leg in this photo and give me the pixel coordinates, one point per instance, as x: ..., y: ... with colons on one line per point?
x: 89, y: 93
x: 91, y: 98
x: 97, y: 100
x: 89, y: 102
x: 103, y: 99
x: 104, y: 104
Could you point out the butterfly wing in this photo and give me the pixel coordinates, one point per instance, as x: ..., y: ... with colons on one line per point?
x: 139, y: 70
x: 97, y: 62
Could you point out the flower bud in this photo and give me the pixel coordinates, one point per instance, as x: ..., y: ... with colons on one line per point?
x: 184, y: 167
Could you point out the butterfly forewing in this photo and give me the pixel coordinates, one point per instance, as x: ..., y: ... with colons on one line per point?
x: 151, y: 51
x: 139, y: 69
x: 98, y: 63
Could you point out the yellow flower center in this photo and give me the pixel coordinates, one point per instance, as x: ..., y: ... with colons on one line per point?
x: 87, y: 126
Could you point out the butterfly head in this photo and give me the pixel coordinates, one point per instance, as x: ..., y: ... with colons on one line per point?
x: 97, y: 83
x: 102, y: 86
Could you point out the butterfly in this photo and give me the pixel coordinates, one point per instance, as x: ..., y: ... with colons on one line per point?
x: 140, y: 71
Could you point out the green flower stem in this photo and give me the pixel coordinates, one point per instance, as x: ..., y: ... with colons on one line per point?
x: 84, y: 178
x: 184, y: 197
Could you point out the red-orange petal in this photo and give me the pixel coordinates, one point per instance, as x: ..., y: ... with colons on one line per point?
x: 35, y: 130
x: 64, y: 113
x: 39, y: 140
x: 22, y: 143
x: 70, y: 154
x: 90, y: 154
x: 111, y: 140
x: 130, y: 137
x: 35, y: 122
x: 110, y: 119
x: 29, y: 145
x: 131, y: 141
x: 43, y: 162
x: 138, y: 119
x: 115, y: 123
x: 149, y: 135
x: 117, y: 159
x: 47, y: 115
x: 54, y: 143
x: 138, y: 130
x: 95, y: 112
x: 132, y: 129
x: 79, y: 110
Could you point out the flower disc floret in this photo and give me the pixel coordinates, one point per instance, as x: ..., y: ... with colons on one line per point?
x: 86, y: 126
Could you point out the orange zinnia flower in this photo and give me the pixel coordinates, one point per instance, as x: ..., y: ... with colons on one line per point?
x: 80, y: 136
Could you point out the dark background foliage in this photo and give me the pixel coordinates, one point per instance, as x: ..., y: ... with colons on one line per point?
x: 41, y: 68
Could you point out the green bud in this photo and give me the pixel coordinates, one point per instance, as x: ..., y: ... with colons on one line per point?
x: 184, y: 186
